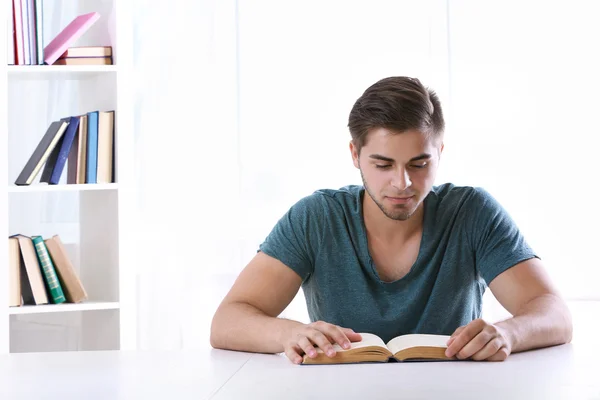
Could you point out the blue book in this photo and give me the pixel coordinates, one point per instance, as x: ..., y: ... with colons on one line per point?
x: 92, y: 147
x: 63, y: 152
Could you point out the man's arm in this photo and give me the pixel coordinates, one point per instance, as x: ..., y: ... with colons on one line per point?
x: 247, y: 319
x: 540, y: 317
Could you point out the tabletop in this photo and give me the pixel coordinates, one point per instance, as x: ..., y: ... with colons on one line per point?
x: 570, y: 371
x: 562, y: 372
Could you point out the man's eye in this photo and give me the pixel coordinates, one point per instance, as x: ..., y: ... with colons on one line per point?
x: 419, y: 166
x: 382, y: 166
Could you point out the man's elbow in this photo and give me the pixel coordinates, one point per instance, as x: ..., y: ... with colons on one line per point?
x: 565, y: 322
x: 568, y: 325
x: 216, y: 336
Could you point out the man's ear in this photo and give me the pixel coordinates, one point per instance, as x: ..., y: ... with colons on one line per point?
x: 354, y: 153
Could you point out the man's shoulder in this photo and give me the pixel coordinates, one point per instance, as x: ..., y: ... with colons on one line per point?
x: 469, y: 202
x: 451, y: 193
x: 347, y: 197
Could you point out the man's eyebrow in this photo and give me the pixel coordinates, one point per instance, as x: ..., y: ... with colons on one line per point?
x: 391, y: 160
x: 423, y: 156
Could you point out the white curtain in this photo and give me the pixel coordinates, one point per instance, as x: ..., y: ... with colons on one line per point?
x: 188, y: 175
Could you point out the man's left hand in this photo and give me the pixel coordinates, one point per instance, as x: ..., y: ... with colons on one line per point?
x: 479, y: 341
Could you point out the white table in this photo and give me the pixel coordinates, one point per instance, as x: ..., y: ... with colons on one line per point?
x: 562, y: 372
x: 117, y: 375
x: 570, y: 372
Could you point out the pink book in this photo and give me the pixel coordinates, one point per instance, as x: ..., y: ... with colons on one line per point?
x: 17, y: 20
x: 67, y: 36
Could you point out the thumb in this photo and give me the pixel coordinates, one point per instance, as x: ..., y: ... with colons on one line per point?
x: 352, y: 336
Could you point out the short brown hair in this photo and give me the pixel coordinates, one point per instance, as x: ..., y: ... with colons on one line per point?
x: 397, y: 103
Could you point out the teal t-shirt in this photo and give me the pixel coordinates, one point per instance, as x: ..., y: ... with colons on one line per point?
x: 468, y: 239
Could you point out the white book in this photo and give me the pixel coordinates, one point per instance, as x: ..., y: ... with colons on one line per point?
x: 25, y: 29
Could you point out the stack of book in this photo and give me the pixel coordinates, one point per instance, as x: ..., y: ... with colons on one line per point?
x: 40, y: 272
x: 87, y: 55
x: 85, y: 143
x: 25, y: 39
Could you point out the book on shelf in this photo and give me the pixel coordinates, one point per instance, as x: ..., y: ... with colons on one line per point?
x: 77, y: 161
x: 40, y: 272
x: 32, y: 288
x: 409, y: 347
x: 58, y: 157
x: 26, y: 34
x: 43, y: 150
x: 53, y: 287
x: 26, y: 38
x: 68, y: 35
x: 84, y: 61
x: 87, y: 52
x: 83, y: 143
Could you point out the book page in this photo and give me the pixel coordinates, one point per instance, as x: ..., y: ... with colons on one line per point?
x: 416, y: 340
x: 368, y: 339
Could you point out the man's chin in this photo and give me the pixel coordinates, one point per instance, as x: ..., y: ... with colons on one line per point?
x: 399, y: 215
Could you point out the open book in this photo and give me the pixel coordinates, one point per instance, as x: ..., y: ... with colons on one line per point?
x: 372, y: 349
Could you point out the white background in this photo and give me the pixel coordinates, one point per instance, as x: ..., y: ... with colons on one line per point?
x: 241, y: 110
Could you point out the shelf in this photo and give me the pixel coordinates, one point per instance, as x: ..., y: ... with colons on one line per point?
x: 62, y: 188
x: 65, y: 307
x: 27, y: 72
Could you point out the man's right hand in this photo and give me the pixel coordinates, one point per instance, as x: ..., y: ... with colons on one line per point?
x: 302, y: 339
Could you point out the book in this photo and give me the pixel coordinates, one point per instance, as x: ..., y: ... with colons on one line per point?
x: 71, y: 284
x: 32, y: 284
x: 18, y: 26
x: 14, y: 272
x: 56, y: 162
x: 76, y: 164
x: 104, y: 168
x: 52, y: 283
x: 39, y: 31
x: 84, y: 61
x: 410, y: 347
x: 11, y: 38
x: 42, y: 152
x: 77, y: 27
x: 87, y: 51
x: 92, y: 147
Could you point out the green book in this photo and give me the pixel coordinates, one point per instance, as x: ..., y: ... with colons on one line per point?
x: 52, y: 282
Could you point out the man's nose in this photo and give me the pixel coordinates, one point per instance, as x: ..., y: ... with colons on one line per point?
x: 401, y: 180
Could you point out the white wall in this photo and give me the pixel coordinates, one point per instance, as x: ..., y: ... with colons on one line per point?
x: 524, y: 82
x: 267, y: 125
x: 302, y: 65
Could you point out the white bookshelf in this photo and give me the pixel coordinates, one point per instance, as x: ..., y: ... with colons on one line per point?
x: 95, y: 221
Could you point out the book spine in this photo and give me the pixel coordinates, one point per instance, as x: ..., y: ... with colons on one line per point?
x: 54, y: 287
x: 92, y: 147
x: 39, y: 30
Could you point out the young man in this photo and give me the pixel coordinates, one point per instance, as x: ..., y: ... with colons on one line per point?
x: 396, y: 255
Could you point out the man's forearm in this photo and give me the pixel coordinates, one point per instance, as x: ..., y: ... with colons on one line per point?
x: 242, y: 327
x: 543, y: 322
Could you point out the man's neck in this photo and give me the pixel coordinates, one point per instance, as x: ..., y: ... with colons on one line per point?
x: 385, y: 229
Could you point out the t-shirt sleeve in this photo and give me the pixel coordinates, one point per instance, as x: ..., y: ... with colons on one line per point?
x: 295, y: 237
x: 497, y: 241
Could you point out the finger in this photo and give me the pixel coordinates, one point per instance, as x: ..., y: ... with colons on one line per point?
x: 318, y: 338
x: 500, y: 355
x: 307, y: 347
x: 293, y: 354
x: 457, y: 331
x: 351, y: 335
x: 336, y: 335
x: 488, y: 350
x: 463, y: 337
x: 476, y: 344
